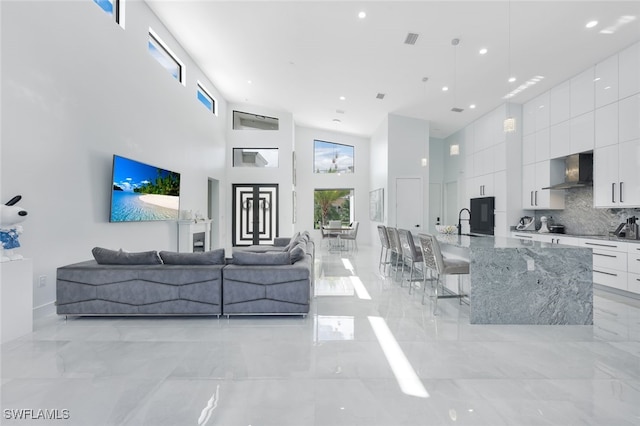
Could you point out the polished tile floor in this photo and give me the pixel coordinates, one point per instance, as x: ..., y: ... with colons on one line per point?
x: 368, y: 354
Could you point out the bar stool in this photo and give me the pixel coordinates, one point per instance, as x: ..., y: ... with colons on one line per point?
x: 411, y: 253
x: 396, y: 247
x: 434, y: 260
x: 384, y: 248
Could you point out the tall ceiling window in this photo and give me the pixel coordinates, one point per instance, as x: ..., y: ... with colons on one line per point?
x: 112, y: 7
x: 165, y: 57
x: 329, y: 157
x: 206, y: 99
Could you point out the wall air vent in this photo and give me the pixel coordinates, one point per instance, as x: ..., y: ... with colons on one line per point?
x: 380, y: 96
x: 456, y: 109
x: 411, y: 38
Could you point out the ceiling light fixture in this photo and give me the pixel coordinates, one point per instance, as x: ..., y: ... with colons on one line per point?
x: 445, y: 88
x: 362, y: 15
x: 483, y: 51
x: 622, y: 21
x: 342, y: 98
x: 591, y: 24
x: 472, y: 106
x: 512, y: 79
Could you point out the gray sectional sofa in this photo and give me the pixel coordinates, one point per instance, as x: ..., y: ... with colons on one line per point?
x: 254, y: 281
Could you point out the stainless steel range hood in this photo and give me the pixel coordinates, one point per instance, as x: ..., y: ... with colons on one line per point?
x: 578, y: 172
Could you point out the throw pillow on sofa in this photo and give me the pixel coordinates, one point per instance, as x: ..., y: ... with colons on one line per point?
x: 118, y: 257
x: 267, y: 258
x: 298, y: 252
x: 213, y: 257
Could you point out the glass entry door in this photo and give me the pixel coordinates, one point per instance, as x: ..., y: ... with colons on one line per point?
x: 255, y: 214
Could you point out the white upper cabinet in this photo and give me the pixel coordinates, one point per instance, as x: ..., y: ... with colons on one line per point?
x: 542, y: 111
x: 540, y: 175
x: 582, y: 133
x: 629, y: 71
x: 582, y: 94
x: 560, y: 140
x: 629, y: 174
x: 606, y: 127
x: 529, y: 118
x: 529, y: 148
x: 560, y: 103
x: 606, y: 81
x: 629, y: 118
x: 542, y: 145
x: 616, y: 180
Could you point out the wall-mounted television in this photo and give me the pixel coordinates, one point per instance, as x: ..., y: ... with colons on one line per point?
x: 141, y: 192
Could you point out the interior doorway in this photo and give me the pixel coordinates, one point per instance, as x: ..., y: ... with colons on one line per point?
x: 409, y: 204
x: 435, y: 206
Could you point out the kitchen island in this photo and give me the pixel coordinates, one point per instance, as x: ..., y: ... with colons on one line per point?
x: 525, y: 282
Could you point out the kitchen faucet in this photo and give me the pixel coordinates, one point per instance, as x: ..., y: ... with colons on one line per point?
x: 460, y: 219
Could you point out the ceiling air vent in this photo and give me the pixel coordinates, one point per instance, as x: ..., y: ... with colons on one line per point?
x: 380, y: 96
x: 411, y: 38
x: 456, y: 109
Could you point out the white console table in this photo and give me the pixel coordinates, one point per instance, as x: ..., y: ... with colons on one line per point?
x: 194, y: 236
x: 16, y: 299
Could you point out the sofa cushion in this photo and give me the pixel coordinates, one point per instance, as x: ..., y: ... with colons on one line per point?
x: 293, y: 241
x: 298, y: 252
x: 118, y: 257
x: 213, y: 257
x: 268, y: 258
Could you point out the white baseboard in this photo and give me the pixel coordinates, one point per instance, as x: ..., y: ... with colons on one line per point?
x: 43, y: 311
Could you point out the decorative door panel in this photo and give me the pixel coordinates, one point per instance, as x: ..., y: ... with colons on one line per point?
x: 255, y: 214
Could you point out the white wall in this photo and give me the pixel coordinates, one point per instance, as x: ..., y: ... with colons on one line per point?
x: 282, y: 175
x: 379, y: 173
x: 308, y: 181
x: 408, y: 143
x: 76, y: 89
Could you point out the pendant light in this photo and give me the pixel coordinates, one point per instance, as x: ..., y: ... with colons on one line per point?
x: 509, y: 124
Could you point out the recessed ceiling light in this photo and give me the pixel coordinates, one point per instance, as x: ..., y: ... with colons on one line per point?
x: 591, y: 24
x: 483, y: 51
x: 445, y: 88
x: 362, y: 15
x: 472, y: 106
x: 249, y: 81
x: 342, y: 98
x: 596, y: 79
x: 512, y: 79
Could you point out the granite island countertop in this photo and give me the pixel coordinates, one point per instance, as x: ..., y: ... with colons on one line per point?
x: 593, y: 237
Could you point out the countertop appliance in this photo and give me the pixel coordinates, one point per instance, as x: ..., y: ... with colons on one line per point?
x: 544, y: 228
x: 628, y: 230
x: 527, y: 223
x: 556, y: 229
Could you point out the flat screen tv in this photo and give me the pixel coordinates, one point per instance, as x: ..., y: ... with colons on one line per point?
x: 141, y: 192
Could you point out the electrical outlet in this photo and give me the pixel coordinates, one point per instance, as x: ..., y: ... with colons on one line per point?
x: 42, y: 281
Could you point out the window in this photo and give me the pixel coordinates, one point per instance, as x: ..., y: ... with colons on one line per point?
x: 248, y: 121
x: 329, y: 157
x: 255, y: 157
x: 333, y: 204
x: 111, y: 7
x: 206, y: 99
x: 165, y: 56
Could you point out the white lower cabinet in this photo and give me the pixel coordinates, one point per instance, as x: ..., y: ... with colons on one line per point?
x: 616, y: 264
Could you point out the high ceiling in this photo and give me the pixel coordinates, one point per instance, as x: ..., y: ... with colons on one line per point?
x: 302, y: 56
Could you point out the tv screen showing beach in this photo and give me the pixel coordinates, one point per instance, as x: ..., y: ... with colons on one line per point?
x: 141, y: 192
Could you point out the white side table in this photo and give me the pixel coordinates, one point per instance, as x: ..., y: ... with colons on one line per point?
x: 194, y: 236
x: 16, y: 299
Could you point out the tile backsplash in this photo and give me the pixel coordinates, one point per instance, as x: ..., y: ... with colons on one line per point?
x: 580, y: 217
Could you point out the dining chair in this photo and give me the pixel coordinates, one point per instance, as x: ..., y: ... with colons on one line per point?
x: 352, y: 234
x: 441, y: 266
x: 396, y: 248
x: 384, y: 248
x: 412, y: 254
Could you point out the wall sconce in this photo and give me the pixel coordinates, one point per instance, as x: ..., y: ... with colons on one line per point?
x: 509, y: 125
x: 454, y: 149
x: 424, y: 162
